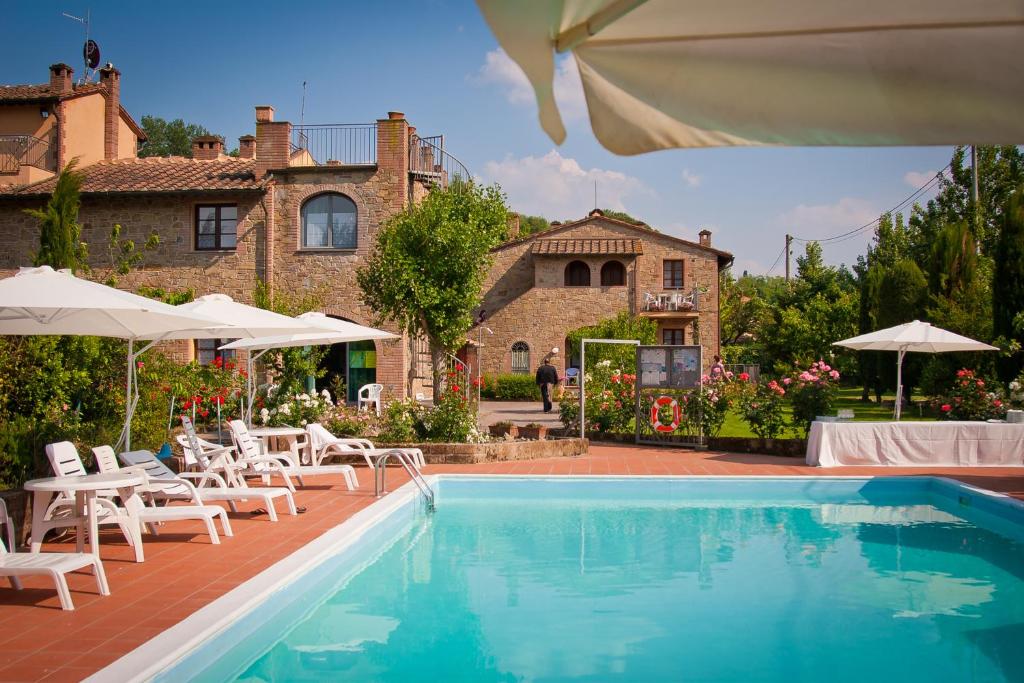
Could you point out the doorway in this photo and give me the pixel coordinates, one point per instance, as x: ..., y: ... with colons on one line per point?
x: 349, y: 365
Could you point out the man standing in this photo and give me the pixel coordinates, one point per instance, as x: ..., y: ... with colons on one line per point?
x: 547, y: 377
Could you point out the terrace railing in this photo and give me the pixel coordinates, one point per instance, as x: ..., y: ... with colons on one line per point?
x: 26, y: 150
x: 428, y: 158
x: 674, y: 301
x: 349, y: 144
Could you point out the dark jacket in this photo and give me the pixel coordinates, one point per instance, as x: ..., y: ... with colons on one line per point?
x: 546, y: 374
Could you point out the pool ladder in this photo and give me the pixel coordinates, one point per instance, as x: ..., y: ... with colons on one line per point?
x: 380, y: 470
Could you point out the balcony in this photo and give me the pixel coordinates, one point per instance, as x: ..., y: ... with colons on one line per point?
x: 348, y: 144
x: 25, y: 150
x: 671, y: 304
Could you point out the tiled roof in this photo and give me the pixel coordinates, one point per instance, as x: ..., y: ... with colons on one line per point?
x: 156, y: 174
x: 588, y: 246
x: 43, y: 91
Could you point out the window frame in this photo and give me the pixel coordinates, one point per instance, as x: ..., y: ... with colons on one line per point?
x: 667, y: 277
x: 667, y: 331
x: 569, y: 265
x: 217, y: 230
x: 224, y: 354
x: 621, y: 270
x: 523, y: 352
x: 330, y: 215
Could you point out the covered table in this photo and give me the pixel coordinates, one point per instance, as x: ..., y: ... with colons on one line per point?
x: 916, y: 444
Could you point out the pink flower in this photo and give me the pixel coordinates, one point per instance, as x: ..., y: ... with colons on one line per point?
x: 825, y: 368
x: 787, y: 381
x: 728, y: 374
x: 139, y: 364
x: 834, y: 374
x: 981, y: 383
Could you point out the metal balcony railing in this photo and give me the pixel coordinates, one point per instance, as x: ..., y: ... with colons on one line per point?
x: 26, y: 150
x: 348, y: 144
x: 668, y: 302
x: 428, y: 158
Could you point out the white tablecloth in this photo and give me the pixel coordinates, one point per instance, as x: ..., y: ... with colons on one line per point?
x: 910, y: 444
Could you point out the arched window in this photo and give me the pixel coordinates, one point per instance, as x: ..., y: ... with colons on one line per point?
x: 613, y: 274
x: 329, y: 222
x: 577, y: 274
x: 521, y: 358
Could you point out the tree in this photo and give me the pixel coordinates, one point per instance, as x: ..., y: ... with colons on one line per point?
x: 622, y: 326
x: 169, y: 138
x: 60, y: 244
x: 429, y: 263
x: 1008, y: 284
x: 531, y: 224
x: 901, y: 296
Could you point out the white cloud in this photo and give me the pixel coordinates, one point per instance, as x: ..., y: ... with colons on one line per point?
x: 498, y: 69
x: 918, y: 179
x: 558, y: 188
x: 818, y: 221
x: 690, y: 178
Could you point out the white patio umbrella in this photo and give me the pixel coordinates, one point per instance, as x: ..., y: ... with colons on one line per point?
x: 338, y: 331
x: 915, y: 337
x: 659, y: 74
x: 40, y: 301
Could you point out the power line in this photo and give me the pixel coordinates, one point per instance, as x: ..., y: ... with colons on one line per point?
x: 777, y: 259
x: 842, y: 237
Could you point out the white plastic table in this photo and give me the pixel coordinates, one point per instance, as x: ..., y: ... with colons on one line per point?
x: 85, y: 488
x: 290, y: 435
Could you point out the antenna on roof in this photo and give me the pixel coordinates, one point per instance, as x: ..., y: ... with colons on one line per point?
x: 302, y: 111
x: 595, y: 194
x: 90, y: 50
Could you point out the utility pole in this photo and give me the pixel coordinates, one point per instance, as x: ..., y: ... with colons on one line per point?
x: 789, y: 242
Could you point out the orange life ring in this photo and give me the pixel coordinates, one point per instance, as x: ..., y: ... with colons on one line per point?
x: 656, y: 407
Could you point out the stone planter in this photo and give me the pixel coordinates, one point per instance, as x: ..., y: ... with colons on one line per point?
x: 500, y: 431
x: 538, y: 433
x: 19, y: 507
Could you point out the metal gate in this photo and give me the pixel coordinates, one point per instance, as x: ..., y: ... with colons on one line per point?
x: 666, y: 377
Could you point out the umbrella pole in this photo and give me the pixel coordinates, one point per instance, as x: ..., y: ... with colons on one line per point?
x: 250, y: 364
x: 899, y: 383
x: 132, y: 392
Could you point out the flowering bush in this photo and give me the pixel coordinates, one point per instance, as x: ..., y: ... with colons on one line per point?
x: 813, y: 392
x: 296, y: 411
x: 1017, y: 392
x: 610, y: 400
x: 705, y: 410
x: 452, y: 419
x: 971, y: 398
x: 401, y: 421
x: 348, y: 421
x: 761, y: 406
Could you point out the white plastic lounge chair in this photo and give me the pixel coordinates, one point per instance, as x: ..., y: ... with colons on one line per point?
x: 54, y: 565
x: 60, y: 513
x: 325, y: 446
x: 249, y: 452
x: 369, y: 394
x: 134, y: 511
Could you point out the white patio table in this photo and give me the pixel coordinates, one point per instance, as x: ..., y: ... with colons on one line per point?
x: 85, y: 487
x: 916, y: 444
x: 275, y: 435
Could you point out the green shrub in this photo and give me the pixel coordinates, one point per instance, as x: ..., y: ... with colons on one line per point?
x: 451, y: 420
x: 401, y: 422
x: 509, y: 387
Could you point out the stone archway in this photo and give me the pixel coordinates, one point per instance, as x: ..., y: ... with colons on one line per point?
x: 351, y: 364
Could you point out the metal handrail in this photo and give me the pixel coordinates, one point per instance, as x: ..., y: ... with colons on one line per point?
x: 380, y: 470
x: 27, y: 150
x: 349, y: 144
x: 427, y: 157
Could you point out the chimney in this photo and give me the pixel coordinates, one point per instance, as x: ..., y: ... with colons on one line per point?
x: 110, y: 78
x: 247, y: 147
x: 273, y: 140
x: 393, y: 158
x: 513, y: 225
x: 60, y: 78
x: 207, y: 147
x: 705, y: 237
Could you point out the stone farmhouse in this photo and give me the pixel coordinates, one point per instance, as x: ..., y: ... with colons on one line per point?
x: 298, y: 209
x: 550, y: 283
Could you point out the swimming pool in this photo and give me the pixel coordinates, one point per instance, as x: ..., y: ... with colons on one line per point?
x: 631, y: 579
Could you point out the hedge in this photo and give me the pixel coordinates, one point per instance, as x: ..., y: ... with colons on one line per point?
x: 510, y: 387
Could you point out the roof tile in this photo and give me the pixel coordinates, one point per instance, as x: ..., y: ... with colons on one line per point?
x: 588, y: 246
x: 43, y: 91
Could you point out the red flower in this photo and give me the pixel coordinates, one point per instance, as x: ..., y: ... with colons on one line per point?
x: 139, y: 364
x: 997, y: 403
x: 455, y: 387
x: 946, y: 408
x: 744, y: 377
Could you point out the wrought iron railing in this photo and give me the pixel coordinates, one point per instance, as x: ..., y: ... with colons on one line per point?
x: 26, y: 150
x: 349, y: 144
x: 680, y: 302
x: 427, y: 157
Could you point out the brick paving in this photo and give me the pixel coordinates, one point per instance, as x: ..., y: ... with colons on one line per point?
x: 183, y: 571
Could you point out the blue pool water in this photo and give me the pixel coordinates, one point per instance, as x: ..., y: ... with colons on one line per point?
x: 654, y: 580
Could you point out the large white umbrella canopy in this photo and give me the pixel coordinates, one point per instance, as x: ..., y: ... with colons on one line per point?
x: 917, y: 337
x: 41, y: 300
x: 337, y: 331
x: 696, y: 73
x: 238, y: 320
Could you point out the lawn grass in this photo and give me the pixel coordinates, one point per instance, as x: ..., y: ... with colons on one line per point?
x: 847, y: 398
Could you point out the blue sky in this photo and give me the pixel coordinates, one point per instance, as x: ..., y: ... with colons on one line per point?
x: 437, y: 61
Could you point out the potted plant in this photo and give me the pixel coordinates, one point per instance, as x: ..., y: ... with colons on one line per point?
x: 533, y: 431
x: 501, y: 429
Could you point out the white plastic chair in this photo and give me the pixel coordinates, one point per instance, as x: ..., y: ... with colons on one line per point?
x: 326, y: 446
x: 250, y: 454
x: 369, y: 393
x: 54, y: 565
